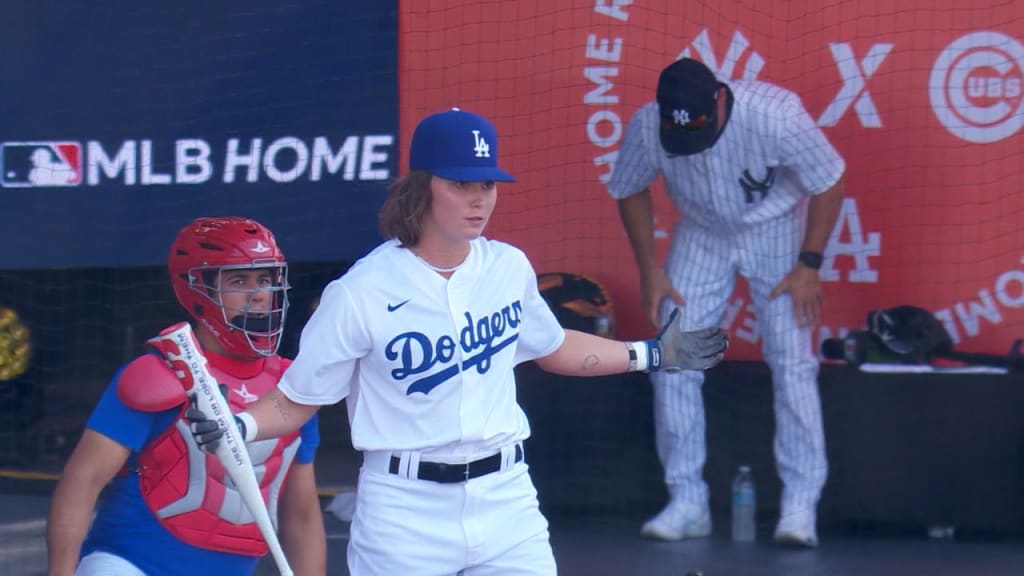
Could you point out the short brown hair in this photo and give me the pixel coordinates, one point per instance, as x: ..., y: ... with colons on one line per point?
x: 408, y: 200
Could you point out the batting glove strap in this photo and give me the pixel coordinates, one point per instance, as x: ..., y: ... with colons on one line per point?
x: 644, y: 355
x: 654, y: 356
x: 639, y: 356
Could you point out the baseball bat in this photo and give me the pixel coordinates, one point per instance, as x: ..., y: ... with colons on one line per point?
x: 179, y: 347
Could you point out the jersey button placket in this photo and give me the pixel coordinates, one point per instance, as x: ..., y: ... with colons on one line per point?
x: 711, y: 186
x: 458, y: 297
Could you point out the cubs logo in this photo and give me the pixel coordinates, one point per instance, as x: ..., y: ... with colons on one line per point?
x: 976, y: 87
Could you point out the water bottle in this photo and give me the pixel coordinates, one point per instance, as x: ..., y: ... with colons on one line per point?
x: 744, y: 506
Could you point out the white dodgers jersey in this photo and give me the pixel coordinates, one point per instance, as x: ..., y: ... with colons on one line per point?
x: 426, y: 363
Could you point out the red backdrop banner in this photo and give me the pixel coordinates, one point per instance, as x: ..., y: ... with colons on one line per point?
x: 924, y: 102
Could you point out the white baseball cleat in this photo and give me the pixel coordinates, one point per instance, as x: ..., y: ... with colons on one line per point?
x: 679, y: 520
x: 798, y: 528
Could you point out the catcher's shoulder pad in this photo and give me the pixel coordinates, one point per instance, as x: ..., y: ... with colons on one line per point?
x: 148, y: 384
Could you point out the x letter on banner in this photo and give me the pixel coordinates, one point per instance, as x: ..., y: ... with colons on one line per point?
x: 854, y: 88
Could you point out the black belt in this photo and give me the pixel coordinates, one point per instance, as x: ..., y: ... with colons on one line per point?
x: 455, y: 473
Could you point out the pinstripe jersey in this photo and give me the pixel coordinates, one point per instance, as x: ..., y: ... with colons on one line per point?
x: 426, y: 363
x: 742, y: 204
x: 770, y: 155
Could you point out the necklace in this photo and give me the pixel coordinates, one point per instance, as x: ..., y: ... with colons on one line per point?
x: 438, y: 268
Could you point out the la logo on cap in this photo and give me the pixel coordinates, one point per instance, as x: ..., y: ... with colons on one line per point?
x: 681, y: 117
x: 482, y: 148
x: 457, y: 145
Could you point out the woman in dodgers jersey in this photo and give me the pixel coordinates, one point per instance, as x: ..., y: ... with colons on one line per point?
x: 168, y: 509
x: 420, y: 338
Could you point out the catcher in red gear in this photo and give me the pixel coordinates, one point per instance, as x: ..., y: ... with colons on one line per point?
x: 169, y: 508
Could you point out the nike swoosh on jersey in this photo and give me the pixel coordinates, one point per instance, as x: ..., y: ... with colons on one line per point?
x: 392, y: 308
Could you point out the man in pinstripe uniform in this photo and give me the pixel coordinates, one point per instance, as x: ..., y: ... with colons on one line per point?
x: 758, y: 188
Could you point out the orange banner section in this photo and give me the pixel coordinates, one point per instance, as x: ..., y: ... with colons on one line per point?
x: 924, y: 103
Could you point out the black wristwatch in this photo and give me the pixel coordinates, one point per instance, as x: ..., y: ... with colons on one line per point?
x: 812, y: 260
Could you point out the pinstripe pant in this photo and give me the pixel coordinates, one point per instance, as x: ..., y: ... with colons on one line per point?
x: 703, y: 266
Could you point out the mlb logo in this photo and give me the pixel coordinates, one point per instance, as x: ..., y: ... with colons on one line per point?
x: 40, y: 164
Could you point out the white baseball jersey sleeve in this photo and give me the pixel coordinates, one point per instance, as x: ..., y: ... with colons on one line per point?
x: 426, y: 363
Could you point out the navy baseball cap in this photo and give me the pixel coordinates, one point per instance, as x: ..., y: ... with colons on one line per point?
x: 457, y: 145
x: 688, y: 106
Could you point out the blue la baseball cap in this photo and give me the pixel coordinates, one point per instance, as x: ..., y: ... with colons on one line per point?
x: 457, y: 145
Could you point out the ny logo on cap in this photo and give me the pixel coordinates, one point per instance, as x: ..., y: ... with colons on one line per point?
x: 681, y: 117
x: 482, y: 148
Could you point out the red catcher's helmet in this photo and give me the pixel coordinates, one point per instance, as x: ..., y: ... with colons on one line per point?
x: 200, y: 255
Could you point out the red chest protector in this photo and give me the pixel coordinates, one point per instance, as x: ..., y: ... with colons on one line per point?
x: 188, y: 491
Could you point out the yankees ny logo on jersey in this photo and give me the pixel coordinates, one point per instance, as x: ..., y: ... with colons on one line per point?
x: 479, y: 339
x: 482, y: 148
x: 751, y: 184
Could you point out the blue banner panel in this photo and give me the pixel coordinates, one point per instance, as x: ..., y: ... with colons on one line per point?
x: 121, y: 122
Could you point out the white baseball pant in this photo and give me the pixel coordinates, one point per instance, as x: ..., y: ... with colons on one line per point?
x: 106, y: 564
x: 702, y: 265
x: 488, y: 526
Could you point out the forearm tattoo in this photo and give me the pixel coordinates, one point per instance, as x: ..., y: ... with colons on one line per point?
x: 590, y: 361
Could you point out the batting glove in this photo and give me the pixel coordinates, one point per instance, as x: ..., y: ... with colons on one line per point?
x: 674, y: 350
x: 206, y: 431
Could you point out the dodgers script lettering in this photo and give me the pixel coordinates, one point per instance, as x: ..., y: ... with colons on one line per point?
x: 480, y: 339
